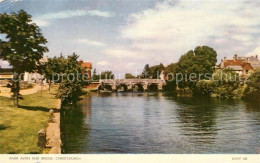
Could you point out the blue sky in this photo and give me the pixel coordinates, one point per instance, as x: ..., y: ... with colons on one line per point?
x: 124, y: 35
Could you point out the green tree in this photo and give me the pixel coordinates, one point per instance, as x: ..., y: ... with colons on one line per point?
x: 204, y: 87
x: 196, y: 64
x: 156, y: 70
x: 252, y: 88
x: 107, y: 75
x: 129, y: 76
x: 146, y: 71
x: 23, y: 46
x: 95, y: 77
x: 70, y: 88
x: 225, y: 83
x: 171, y: 80
x: 52, y: 69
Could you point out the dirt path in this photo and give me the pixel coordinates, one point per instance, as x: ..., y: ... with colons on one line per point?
x: 33, y: 90
x: 6, y: 91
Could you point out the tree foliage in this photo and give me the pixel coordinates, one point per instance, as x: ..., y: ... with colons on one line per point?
x: 129, y: 76
x: 146, y: 72
x: 253, y: 85
x: 72, y: 81
x: 225, y: 83
x: 107, y: 75
x: 200, y: 61
x: 23, y: 45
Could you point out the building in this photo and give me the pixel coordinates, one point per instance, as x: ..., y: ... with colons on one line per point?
x: 34, y: 77
x: 30, y: 77
x: 87, y: 66
x: 6, y: 73
x: 242, y: 65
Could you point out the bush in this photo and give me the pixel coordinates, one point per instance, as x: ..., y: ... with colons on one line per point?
x: 252, y: 88
x: 225, y: 83
x: 204, y: 87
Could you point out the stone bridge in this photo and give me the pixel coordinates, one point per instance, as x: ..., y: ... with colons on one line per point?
x: 132, y: 84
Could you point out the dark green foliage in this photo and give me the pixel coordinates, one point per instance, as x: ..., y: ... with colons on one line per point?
x: 107, y: 75
x: 146, y: 72
x: 129, y: 76
x: 225, y: 83
x: 204, y: 87
x: 200, y: 61
x: 23, y: 46
x: 156, y: 71
x: 95, y: 77
x: 253, y: 85
x: 51, y: 69
x: 70, y: 88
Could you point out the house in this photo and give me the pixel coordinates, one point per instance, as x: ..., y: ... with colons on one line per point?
x: 87, y: 66
x: 34, y: 77
x: 241, y: 65
x: 30, y: 77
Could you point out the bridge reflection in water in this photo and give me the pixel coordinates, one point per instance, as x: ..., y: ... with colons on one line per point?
x: 132, y: 84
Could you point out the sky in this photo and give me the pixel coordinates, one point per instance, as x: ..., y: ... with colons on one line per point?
x: 124, y: 35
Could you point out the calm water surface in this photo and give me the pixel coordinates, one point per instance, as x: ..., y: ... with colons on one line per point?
x: 160, y: 123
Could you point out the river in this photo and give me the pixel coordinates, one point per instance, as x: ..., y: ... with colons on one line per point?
x: 160, y: 123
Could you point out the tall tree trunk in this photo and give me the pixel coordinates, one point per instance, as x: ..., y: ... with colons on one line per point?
x: 13, y: 92
x: 17, y: 92
x: 49, y: 85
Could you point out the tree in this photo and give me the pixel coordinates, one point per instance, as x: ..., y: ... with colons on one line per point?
x: 225, y: 83
x: 197, y: 65
x: 23, y: 46
x: 51, y: 69
x: 156, y: 70
x: 129, y: 76
x: 252, y: 88
x: 107, y: 75
x: 95, y: 77
x: 146, y: 71
x: 70, y: 88
x: 204, y: 87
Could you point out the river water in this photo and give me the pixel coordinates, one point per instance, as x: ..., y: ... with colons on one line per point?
x: 160, y: 123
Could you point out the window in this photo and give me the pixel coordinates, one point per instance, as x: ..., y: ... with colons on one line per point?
x: 246, y: 71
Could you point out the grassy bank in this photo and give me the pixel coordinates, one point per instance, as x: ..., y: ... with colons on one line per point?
x: 19, y: 126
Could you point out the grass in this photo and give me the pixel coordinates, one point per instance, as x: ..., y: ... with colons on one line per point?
x: 19, y: 127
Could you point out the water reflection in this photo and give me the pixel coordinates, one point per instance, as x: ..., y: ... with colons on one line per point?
x: 75, y: 131
x: 197, y: 119
x: 160, y: 123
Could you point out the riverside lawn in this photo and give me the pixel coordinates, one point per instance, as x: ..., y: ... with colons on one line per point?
x: 19, y: 127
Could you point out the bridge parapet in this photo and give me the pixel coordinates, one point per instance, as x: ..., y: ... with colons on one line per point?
x: 133, y: 81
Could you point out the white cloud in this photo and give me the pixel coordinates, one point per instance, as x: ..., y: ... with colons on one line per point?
x: 100, y: 13
x: 173, y: 27
x: 102, y: 63
x: 121, y: 52
x: 42, y: 23
x: 91, y: 42
x: 254, y: 52
x: 44, y: 20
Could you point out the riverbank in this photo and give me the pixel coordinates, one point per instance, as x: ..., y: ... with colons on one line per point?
x: 19, y: 126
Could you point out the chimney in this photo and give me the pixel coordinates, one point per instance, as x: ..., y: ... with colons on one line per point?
x: 256, y: 56
x: 81, y: 61
x: 235, y: 57
x: 225, y: 58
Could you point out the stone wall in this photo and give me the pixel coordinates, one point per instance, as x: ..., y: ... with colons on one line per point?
x: 53, y: 134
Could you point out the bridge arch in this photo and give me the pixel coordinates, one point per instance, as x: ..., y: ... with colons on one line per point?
x: 121, y: 87
x: 153, y: 87
x: 138, y: 87
x: 105, y: 87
